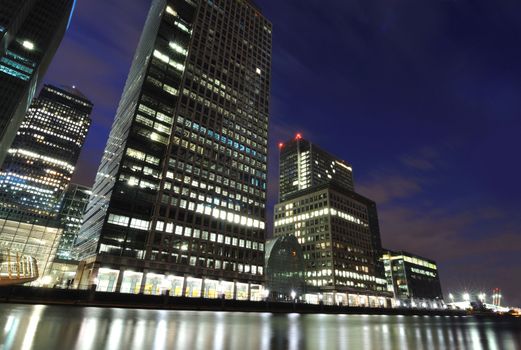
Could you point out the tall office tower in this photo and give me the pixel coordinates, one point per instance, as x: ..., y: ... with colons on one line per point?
x: 30, y: 33
x: 304, y: 165
x: 337, y: 228
x: 71, y: 216
x: 179, y: 199
x: 38, y: 169
x: 41, y: 161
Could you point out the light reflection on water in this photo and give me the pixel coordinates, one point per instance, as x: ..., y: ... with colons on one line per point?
x: 50, y: 327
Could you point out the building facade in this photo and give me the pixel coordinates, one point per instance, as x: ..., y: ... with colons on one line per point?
x: 285, y: 268
x: 332, y: 225
x: 41, y: 161
x: 414, y: 280
x: 179, y: 200
x: 304, y: 165
x: 337, y: 228
x: 30, y: 33
x: 38, y: 169
x: 74, y: 205
x: 38, y: 239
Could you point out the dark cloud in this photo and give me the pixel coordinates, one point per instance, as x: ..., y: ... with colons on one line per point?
x: 461, y: 242
x: 384, y: 189
x: 463, y: 235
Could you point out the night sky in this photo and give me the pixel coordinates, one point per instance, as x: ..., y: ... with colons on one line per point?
x: 422, y: 97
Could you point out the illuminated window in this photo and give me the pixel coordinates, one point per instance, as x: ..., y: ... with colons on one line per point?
x: 171, y: 11
x: 178, y: 48
x: 29, y: 45
x: 139, y: 224
x: 136, y: 154
x: 160, y: 226
x: 118, y: 220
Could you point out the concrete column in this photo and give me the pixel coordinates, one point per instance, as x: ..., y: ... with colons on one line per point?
x: 234, y: 290
x: 93, y: 274
x: 119, y: 281
x: 249, y: 291
x: 201, y: 295
x: 143, y: 282
x: 183, y: 290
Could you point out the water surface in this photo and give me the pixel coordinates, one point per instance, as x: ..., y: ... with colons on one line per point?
x: 52, y: 327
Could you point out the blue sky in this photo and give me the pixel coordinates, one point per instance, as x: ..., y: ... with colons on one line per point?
x: 423, y: 98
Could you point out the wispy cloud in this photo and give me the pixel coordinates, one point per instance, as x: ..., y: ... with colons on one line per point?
x: 462, y: 234
x: 386, y: 188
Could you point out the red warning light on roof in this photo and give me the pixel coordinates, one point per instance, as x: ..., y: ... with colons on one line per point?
x: 298, y: 136
x: 281, y: 145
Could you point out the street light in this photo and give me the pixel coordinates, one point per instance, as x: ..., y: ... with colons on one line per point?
x: 293, y: 294
x: 466, y: 297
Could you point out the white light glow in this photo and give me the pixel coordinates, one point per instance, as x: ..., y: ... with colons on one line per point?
x: 29, y: 45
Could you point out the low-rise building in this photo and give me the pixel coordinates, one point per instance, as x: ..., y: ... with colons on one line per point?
x: 285, y: 269
x: 414, y: 280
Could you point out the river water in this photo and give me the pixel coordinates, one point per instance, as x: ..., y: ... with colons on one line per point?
x: 53, y: 327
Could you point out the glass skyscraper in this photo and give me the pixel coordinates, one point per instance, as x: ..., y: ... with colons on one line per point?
x: 41, y: 161
x: 30, y: 33
x: 179, y: 200
x: 38, y: 169
x: 73, y: 208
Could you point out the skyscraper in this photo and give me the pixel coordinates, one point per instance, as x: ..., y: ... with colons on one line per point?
x: 337, y: 227
x: 304, y: 165
x: 43, y: 156
x: 38, y: 169
x: 73, y: 208
x: 179, y: 198
x: 30, y: 33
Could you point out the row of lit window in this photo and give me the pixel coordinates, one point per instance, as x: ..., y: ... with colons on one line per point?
x: 243, y: 162
x: 411, y: 260
x: 423, y: 272
x: 68, y: 97
x: 170, y: 61
x: 318, y: 213
x: 193, y: 182
x: 223, y: 139
x: 220, y: 146
x: 144, y: 225
x: 227, y: 200
x: 133, y: 153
